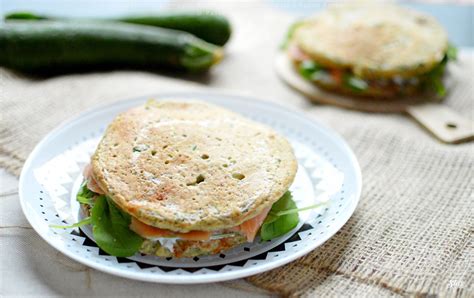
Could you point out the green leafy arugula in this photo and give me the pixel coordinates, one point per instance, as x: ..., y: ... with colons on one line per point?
x: 282, y: 218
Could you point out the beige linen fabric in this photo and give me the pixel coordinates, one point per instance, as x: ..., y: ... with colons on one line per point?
x: 412, y: 233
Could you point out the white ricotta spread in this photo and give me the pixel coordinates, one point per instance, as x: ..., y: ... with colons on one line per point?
x: 166, y: 242
x: 170, y: 242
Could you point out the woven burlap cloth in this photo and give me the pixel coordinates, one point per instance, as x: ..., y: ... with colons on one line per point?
x: 412, y: 233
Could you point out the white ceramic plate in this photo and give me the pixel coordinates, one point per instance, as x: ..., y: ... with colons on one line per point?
x: 328, y: 172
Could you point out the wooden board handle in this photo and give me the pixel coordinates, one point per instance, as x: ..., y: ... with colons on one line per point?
x: 443, y: 122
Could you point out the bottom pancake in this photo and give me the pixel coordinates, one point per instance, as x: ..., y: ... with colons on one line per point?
x: 189, y: 248
x: 182, y: 248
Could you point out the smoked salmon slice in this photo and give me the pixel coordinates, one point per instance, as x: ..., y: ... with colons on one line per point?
x: 91, y: 183
x: 148, y: 231
x: 250, y: 227
x: 336, y: 75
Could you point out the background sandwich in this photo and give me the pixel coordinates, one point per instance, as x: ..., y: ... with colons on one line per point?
x: 374, y: 50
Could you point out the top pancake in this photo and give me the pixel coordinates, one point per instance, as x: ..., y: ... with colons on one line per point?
x: 373, y: 40
x: 188, y: 166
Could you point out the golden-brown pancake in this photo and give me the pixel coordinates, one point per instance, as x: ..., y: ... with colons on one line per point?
x: 187, y: 166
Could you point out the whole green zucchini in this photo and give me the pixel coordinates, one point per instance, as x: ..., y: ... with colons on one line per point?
x: 208, y: 26
x: 68, y: 46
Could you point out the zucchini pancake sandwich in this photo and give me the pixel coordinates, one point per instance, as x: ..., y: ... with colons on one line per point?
x: 183, y: 179
x: 371, y: 50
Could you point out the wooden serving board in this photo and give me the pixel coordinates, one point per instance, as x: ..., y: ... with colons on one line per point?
x: 443, y: 122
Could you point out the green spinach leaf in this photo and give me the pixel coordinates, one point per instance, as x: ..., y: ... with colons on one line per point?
x: 85, y: 195
x: 110, y: 227
x: 434, y: 78
x: 308, y: 69
x: 355, y: 83
x: 452, y: 52
x: 275, y: 225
